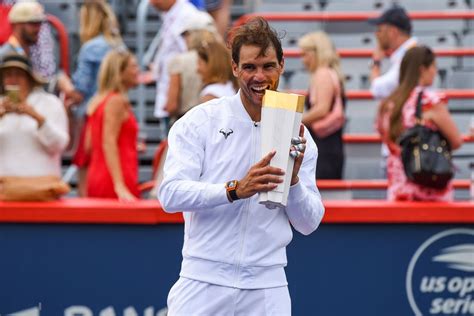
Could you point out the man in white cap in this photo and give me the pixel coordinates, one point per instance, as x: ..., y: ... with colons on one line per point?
x: 26, y: 18
x: 169, y: 43
x: 185, y: 82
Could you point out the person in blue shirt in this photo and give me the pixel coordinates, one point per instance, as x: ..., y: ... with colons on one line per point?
x: 99, y: 33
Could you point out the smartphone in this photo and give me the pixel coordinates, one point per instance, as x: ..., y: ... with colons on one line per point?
x: 13, y: 93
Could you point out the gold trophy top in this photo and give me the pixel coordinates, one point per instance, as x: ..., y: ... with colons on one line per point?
x: 282, y: 100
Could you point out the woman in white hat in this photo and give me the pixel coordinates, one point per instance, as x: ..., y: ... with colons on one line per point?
x: 33, y: 123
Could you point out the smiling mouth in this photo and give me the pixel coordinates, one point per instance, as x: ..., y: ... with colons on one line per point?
x: 260, y: 90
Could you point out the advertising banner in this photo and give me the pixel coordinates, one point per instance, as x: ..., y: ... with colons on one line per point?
x: 341, y: 269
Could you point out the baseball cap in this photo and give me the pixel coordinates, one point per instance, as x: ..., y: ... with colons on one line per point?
x: 198, y: 21
x: 26, y: 11
x: 396, y: 16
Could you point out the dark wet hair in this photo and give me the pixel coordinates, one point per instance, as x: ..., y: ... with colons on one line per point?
x: 256, y: 32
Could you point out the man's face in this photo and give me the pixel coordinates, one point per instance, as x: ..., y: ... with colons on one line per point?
x: 162, y: 5
x: 29, y: 32
x: 256, y: 73
x: 382, y: 34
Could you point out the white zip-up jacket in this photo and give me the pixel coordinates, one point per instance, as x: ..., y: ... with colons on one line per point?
x: 240, y: 244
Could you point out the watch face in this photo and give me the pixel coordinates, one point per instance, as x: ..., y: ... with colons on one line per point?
x: 231, y: 184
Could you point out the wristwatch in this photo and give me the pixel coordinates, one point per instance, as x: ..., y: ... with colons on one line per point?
x: 231, y: 188
x: 374, y: 63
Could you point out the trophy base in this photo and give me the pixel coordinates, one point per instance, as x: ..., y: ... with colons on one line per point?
x: 272, y: 205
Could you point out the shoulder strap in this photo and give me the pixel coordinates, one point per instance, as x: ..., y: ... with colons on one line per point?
x: 335, y: 80
x: 418, y: 107
x: 337, y: 84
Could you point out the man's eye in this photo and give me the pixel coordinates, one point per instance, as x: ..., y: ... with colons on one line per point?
x: 248, y: 67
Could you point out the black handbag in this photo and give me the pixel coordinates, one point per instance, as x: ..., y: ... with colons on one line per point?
x: 426, y: 154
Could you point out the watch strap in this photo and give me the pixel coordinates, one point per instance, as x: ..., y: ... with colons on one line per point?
x: 231, y: 188
x: 233, y: 194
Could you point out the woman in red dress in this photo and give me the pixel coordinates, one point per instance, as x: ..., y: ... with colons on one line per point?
x: 112, y: 130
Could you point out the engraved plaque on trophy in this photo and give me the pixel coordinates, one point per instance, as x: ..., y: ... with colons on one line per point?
x: 281, y: 119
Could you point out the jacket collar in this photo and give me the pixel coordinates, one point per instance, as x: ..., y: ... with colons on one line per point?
x: 238, y: 108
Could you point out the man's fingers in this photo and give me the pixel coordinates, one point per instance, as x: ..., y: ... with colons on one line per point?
x: 301, y: 130
x: 266, y: 179
x: 266, y: 187
x: 300, y: 147
x: 269, y: 170
x: 297, y: 140
x: 295, y: 154
x: 266, y: 160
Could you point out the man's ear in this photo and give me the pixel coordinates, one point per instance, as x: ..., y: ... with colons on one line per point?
x: 282, y: 65
x: 235, y: 69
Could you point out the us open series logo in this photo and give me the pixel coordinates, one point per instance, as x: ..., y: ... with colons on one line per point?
x: 440, y: 276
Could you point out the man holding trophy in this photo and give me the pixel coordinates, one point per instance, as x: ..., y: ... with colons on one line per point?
x: 241, y: 169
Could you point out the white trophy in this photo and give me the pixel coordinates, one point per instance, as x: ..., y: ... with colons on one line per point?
x: 281, y: 119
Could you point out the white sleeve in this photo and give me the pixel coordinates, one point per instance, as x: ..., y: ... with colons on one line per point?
x: 382, y: 86
x: 181, y: 189
x: 214, y: 89
x: 54, y: 133
x: 305, y: 208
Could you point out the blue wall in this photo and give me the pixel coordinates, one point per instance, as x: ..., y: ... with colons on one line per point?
x: 338, y: 270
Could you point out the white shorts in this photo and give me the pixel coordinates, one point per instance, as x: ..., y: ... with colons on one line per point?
x: 189, y: 297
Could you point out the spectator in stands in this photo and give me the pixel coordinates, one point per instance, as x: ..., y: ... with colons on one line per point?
x: 99, y: 33
x: 185, y: 83
x: 214, y: 67
x: 211, y: 145
x: 220, y: 11
x: 393, y: 35
x: 322, y: 61
x: 397, y: 113
x: 33, y: 123
x: 112, y: 130
x: 168, y: 44
x: 32, y: 38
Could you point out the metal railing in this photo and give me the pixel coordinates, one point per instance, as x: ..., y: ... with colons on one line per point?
x: 353, y: 16
x: 367, y: 53
x: 63, y: 40
x: 140, y: 52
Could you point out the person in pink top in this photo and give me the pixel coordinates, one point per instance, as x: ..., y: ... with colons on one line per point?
x: 397, y: 113
x: 112, y: 130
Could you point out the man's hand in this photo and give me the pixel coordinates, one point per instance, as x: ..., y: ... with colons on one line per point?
x: 378, y: 53
x: 72, y: 97
x: 298, y: 148
x: 146, y: 77
x: 260, y: 178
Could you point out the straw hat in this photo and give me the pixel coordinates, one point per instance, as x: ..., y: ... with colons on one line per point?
x: 21, y: 62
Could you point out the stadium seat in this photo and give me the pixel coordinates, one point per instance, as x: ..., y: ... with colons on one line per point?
x: 356, y: 5
x: 438, y: 5
x: 360, y: 40
x: 287, y: 7
x: 461, y: 79
x: 290, y: 32
x: 362, y: 158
